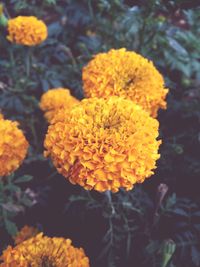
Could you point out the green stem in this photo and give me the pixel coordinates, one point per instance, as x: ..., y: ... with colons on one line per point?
x: 90, y: 9
x: 28, y: 58
x: 34, y: 134
x: 109, y: 196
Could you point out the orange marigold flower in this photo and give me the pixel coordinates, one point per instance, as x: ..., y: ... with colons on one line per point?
x: 44, y: 251
x: 13, y: 147
x: 56, y: 99
x: 25, y: 30
x: 25, y: 233
x: 128, y: 75
x: 104, y: 144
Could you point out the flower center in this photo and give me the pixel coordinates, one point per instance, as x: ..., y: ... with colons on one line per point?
x: 128, y: 83
x: 46, y: 262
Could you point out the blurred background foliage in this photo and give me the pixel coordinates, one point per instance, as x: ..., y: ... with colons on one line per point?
x: 153, y: 225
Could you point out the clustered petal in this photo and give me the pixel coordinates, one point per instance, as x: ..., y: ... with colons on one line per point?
x: 27, y: 30
x: 13, y: 146
x: 25, y: 233
x: 104, y: 144
x: 125, y: 74
x: 44, y: 251
x: 54, y: 100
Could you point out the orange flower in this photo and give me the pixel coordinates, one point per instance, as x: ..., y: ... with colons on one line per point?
x: 25, y: 233
x: 104, y: 144
x: 44, y: 251
x: 27, y: 30
x: 128, y: 75
x: 13, y: 147
x: 56, y: 99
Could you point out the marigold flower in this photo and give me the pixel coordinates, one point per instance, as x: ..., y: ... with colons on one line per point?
x: 13, y: 147
x: 104, y: 144
x: 44, y: 251
x: 128, y: 75
x: 25, y: 233
x: 25, y: 30
x: 56, y: 99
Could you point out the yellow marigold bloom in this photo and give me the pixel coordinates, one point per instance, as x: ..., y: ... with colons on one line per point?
x: 128, y: 75
x: 56, y: 99
x: 104, y: 144
x: 25, y: 30
x: 25, y: 233
x: 13, y: 147
x: 44, y: 251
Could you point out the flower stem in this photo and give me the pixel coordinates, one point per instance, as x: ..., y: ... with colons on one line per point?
x: 28, y: 62
x: 109, y: 196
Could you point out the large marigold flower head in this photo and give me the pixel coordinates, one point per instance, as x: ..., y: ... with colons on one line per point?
x: 25, y: 233
x: 104, y: 144
x: 44, y: 251
x: 125, y: 74
x: 55, y: 99
x: 27, y: 30
x: 13, y: 147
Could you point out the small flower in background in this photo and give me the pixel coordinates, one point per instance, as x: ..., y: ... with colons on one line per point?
x: 104, y: 144
x: 91, y: 33
x: 13, y: 146
x: 27, y: 31
x: 56, y: 99
x: 24, y: 234
x: 44, y: 251
x: 128, y: 75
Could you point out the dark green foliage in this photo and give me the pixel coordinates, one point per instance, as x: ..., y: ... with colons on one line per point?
x: 13, y: 200
x: 134, y: 228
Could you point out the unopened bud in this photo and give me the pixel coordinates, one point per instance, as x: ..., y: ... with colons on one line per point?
x: 162, y: 191
x: 3, y: 19
x: 168, y: 249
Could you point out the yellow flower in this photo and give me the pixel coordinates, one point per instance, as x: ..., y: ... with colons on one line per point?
x: 128, y: 75
x: 56, y: 99
x: 25, y: 233
x: 26, y: 30
x: 13, y: 147
x: 44, y: 251
x: 104, y: 144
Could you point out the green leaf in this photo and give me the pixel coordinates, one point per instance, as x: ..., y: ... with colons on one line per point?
x: 51, y: 2
x: 11, y: 227
x: 24, y: 179
x: 195, y: 255
x: 177, y: 46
